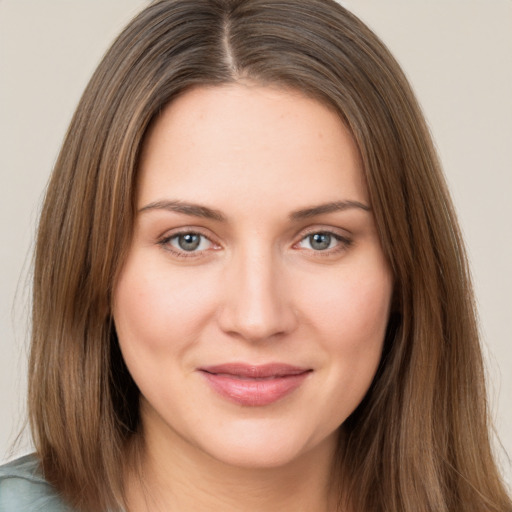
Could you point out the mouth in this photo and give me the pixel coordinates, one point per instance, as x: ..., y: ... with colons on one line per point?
x: 254, y: 386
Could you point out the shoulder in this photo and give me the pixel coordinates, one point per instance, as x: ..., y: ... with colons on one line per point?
x: 24, y: 489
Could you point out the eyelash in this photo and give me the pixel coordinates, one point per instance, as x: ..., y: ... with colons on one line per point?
x: 343, y: 243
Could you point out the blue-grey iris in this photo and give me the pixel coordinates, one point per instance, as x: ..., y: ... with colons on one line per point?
x: 320, y: 241
x: 189, y: 241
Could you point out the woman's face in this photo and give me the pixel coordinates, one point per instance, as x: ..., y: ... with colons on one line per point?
x: 253, y: 304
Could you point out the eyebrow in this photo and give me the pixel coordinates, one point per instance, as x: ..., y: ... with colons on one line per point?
x: 197, y: 210
x: 335, y: 206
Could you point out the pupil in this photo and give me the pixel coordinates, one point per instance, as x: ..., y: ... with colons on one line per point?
x: 189, y: 242
x: 320, y: 241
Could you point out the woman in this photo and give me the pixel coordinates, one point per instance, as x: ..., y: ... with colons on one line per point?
x: 250, y: 292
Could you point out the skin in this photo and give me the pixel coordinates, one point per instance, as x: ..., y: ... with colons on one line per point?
x: 256, y: 290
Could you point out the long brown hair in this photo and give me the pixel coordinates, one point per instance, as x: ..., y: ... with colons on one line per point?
x: 419, y: 440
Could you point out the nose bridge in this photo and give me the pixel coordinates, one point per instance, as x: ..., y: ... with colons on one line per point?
x: 256, y: 304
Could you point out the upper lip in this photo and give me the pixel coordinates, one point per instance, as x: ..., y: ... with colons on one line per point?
x: 255, y: 371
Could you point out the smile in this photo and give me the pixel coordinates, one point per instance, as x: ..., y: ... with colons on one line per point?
x: 253, y: 386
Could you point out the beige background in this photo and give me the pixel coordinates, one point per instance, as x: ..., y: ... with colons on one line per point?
x: 457, y: 54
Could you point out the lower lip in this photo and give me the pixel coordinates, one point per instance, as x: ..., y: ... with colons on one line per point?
x: 254, y: 392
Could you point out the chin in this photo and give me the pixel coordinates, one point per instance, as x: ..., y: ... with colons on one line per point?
x: 266, y: 448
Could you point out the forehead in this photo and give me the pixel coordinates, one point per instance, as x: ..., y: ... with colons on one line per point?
x: 249, y: 141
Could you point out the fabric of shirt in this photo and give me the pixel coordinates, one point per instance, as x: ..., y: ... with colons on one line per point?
x: 24, y: 489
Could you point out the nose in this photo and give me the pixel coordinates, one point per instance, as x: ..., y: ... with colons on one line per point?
x: 257, y: 305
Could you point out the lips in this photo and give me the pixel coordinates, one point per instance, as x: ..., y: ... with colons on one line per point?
x: 251, y: 385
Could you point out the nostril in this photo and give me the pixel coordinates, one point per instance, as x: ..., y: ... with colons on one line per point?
x: 251, y: 323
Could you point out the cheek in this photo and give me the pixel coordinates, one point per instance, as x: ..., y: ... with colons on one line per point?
x: 354, y: 309
x: 155, y: 308
x: 350, y: 317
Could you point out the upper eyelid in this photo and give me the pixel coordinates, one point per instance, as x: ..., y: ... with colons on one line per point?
x: 341, y: 232
x: 171, y: 233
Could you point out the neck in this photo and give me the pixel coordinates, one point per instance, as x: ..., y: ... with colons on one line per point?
x: 177, y: 476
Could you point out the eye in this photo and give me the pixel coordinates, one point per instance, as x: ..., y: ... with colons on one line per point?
x: 187, y: 242
x: 323, y: 241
